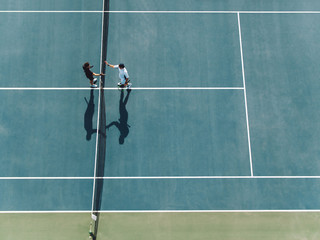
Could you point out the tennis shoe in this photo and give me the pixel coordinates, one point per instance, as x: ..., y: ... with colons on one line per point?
x: 94, y: 86
x: 94, y: 81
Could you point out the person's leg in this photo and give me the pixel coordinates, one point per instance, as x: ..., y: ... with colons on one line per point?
x: 92, y: 83
x: 122, y: 83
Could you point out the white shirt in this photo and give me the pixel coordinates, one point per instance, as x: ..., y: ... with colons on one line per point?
x: 123, y: 74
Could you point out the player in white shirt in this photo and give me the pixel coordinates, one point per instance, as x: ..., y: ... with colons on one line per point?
x: 123, y: 74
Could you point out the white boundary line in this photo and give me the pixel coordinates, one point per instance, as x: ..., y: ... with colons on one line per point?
x: 245, y: 94
x: 206, y: 211
x: 43, y: 88
x: 51, y: 11
x: 168, y: 211
x: 185, y: 88
x: 159, y: 177
x: 226, y: 12
x: 163, y: 12
x: 96, y: 154
x: 110, y: 88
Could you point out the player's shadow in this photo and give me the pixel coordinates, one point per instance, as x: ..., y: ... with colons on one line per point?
x: 88, y: 116
x: 122, y: 123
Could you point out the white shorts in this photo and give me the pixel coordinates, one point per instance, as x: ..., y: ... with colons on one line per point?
x: 122, y: 80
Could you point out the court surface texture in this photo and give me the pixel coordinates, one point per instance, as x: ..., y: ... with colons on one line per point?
x: 218, y: 137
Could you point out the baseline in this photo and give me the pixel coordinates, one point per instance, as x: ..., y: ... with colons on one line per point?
x: 168, y: 211
x: 161, y: 177
x: 108, y: 88
x: 169, y: 12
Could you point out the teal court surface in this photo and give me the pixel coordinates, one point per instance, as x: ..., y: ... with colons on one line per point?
x: 218, y: 137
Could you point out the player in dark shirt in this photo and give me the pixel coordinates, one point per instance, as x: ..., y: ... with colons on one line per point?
x: 89, y: 74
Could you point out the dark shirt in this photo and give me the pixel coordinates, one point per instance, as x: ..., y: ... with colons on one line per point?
x: 88, y: 73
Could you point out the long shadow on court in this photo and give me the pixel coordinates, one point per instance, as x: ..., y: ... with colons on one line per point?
x: 88, y: 116
x: 122, y: 123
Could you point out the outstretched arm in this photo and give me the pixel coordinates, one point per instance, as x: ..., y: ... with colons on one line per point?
x: 96, y: 74
x: 110, y: 65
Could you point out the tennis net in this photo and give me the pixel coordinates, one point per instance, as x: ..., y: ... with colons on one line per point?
x: 99, y: 168
x: 101, y: 132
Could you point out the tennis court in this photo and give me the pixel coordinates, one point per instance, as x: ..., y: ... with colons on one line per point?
x: 217, y: 138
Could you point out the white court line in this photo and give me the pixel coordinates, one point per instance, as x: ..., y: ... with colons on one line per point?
x: 216, y: 177
x: 209, y: 211
x: 96, y: 154
x: 160, y: 177
x: 187, y: 88
x: 224, y: 12
x: 165, y: 12
x: 48, y: 11
x: 46, y: 178
x: 167, y: 211
x: 44, y: 88
x: 245, y: 94
x: 115, y: 88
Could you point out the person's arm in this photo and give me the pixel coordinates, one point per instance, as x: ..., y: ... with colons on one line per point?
x: 126, y: 76
x: 127, y: 79
x: 110, y: 65
x: 101, y: 74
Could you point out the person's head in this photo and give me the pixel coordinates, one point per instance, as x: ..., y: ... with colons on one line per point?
x: 121, y: 65
x: 86, y: 65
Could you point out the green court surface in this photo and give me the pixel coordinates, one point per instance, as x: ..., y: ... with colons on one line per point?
x: 171, y: 226
x: 44, y: 226
x: 217, y: 139
x: 205, y: 226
